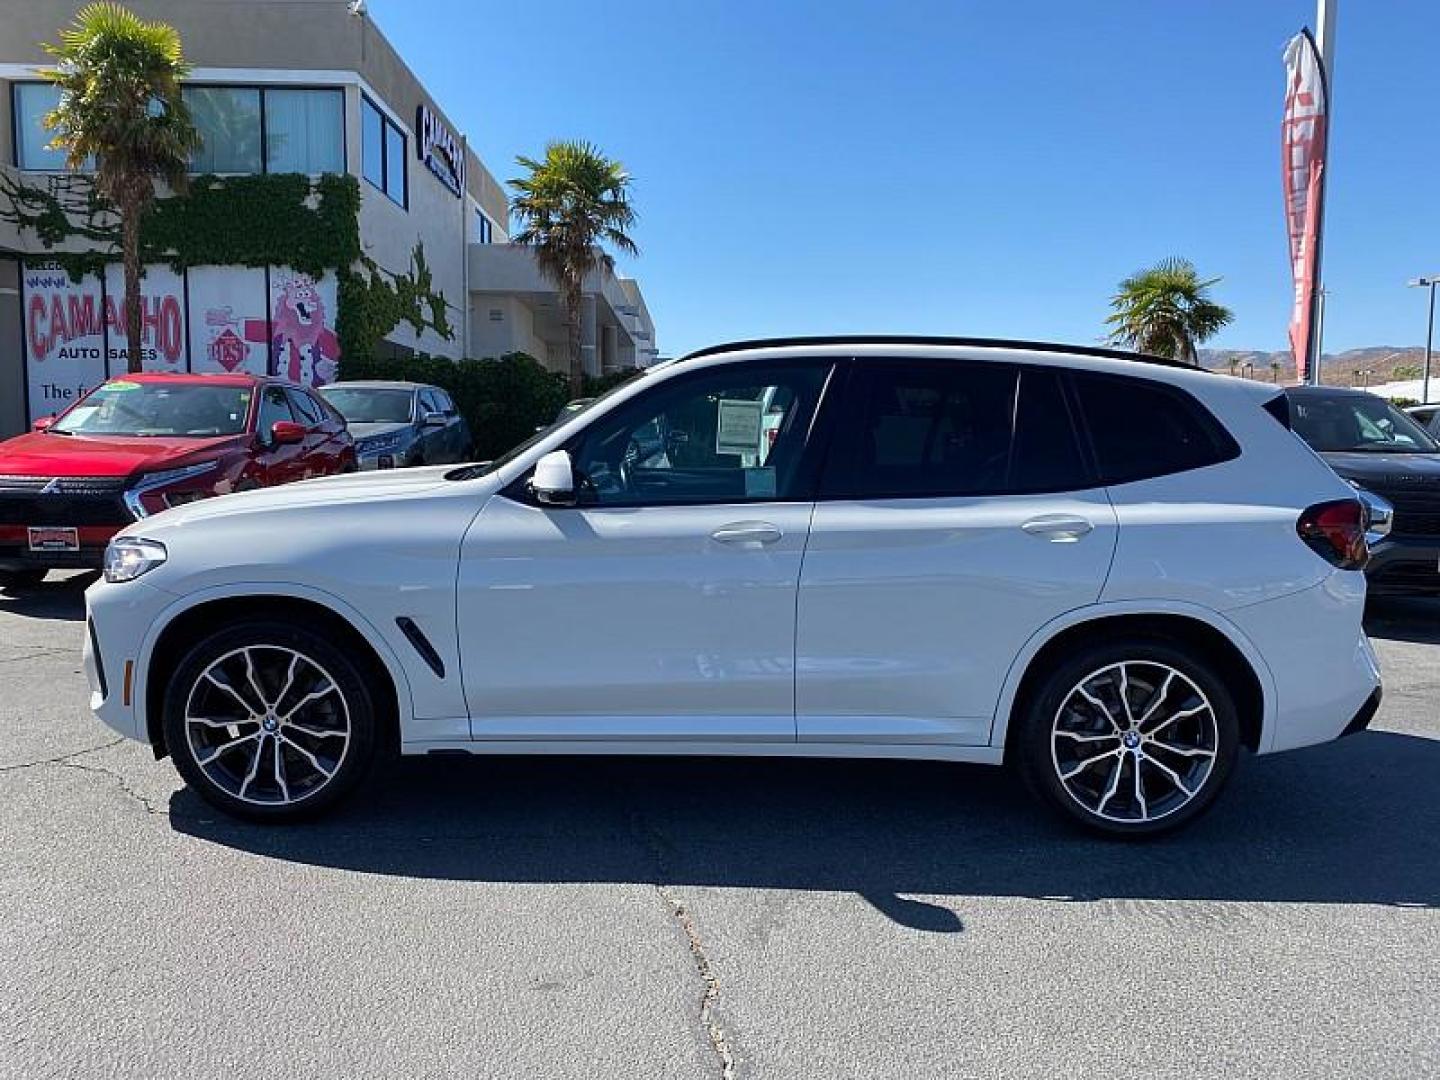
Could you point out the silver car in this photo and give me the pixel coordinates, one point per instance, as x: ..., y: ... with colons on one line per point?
x: 396, y: 424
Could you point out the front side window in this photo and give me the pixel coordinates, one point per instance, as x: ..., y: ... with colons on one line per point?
x: 228, y: 120
x: 305, y: 409
x: 123, y: 407
x: 1357, y: 423
x: 1141, y: 428
x: 274, y: 407
x: 729, y: 436
x: 304, y: 131
x: 952, y: 429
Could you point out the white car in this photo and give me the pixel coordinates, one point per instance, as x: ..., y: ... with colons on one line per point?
x: 1111, y: 573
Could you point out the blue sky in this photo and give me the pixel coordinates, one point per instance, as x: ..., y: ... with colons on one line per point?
x: 960, y: 167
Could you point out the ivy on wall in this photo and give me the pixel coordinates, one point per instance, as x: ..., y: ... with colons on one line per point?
x: 276, y: 219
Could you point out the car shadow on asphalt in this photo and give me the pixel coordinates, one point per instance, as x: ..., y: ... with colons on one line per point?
x: 61, y: 598
x: 1356, y: 821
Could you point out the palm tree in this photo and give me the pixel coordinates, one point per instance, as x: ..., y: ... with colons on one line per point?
x: 1166, y: 310
x: 571, y: 202
x: 120, y: 104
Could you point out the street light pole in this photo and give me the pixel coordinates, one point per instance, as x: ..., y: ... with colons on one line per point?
x: 1420, y: 283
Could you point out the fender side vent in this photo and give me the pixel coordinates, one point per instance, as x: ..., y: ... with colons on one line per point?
x: 417, y: 638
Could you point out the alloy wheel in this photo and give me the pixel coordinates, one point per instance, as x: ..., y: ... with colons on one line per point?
x: 1134, y: 742
x: 267, y: 725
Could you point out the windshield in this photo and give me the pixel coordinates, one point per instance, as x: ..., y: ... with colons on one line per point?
x: 370, y: 405
x: 1360, y: 423
x: 122, y: 407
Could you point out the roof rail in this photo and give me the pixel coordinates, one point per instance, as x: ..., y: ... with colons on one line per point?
x: 914, y: 339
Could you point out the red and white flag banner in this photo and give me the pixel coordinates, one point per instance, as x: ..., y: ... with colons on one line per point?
x: 1303, y: 136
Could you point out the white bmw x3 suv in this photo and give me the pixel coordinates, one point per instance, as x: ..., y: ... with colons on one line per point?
x: 1109, y: 572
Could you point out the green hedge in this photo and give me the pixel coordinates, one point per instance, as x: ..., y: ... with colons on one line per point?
x: 503, y: 400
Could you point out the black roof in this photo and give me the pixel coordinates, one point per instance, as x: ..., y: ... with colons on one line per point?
x: 840, y: 340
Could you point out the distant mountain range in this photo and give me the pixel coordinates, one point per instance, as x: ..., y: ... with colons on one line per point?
x: 1376, y: 363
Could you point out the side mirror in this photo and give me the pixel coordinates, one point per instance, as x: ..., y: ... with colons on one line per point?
x: 286, y: 433
x: 42, y: 424
x: 433, y: 419
x: 554, y: 479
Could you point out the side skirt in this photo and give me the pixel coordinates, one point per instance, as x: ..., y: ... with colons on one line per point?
x: 980, y: 755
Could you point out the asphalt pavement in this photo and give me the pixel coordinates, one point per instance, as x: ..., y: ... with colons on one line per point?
x: 707, y: 918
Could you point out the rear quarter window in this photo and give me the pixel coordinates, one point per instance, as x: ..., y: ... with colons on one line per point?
x: 1141, y: 429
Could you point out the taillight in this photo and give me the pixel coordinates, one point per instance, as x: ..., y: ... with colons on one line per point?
x: 1336, y: 532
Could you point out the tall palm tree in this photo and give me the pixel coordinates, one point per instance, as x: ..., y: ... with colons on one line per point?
x: 567, y: 206
x: 120, y: 104
x: 1166, y: 310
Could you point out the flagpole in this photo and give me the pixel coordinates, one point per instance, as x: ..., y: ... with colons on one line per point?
x: 1325, y: 45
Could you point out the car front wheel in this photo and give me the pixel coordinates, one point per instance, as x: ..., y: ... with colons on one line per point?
x: 1130, y: 738
x: 269, y: 721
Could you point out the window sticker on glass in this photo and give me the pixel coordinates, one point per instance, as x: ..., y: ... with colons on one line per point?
x: 737, y: 427
x: 760, y: 483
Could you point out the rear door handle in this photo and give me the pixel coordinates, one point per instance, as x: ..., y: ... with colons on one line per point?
x: 1058, y: 528
x: 747, y: 532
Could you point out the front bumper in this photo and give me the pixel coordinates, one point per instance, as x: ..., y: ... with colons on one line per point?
x: 15, y: 553
x: 1402, y: 565
x: 118, y: 618
x: 385, y: 459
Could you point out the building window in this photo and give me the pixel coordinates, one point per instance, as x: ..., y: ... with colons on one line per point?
x: 304, y: 131
x: 247, y: 129
x: 228, y: 120
x: 382, y: 151
x: 32, y: 102
x: 484, y: 231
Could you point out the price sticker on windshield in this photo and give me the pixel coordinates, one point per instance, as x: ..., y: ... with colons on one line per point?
x: 737, y: 427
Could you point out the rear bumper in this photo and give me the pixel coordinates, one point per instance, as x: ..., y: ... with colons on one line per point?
x: 1361, y: 720
x: 1405, y: 566
x: 1323, y: 668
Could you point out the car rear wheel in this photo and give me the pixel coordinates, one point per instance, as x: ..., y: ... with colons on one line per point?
x: 270, y: 722
x: 1130, y: 738
x: 11, y: 580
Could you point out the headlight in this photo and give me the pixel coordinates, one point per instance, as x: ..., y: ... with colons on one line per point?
x: 127, y: 557
x: 1379, y: 514
x: 164, y: 478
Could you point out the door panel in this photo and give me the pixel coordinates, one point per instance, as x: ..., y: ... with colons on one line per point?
x: 938, y: 548
x: 662, y: 605
x: 630, y: 622
x: 911, y: 611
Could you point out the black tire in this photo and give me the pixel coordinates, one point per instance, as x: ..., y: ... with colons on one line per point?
x: 352, y: 704
x: 15, y: 580
x: 1137, y: 806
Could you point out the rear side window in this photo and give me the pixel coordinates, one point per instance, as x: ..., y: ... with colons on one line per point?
x: 1142, y: 429
x: 947, y: 429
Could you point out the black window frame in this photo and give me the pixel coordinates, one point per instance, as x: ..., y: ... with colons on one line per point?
x: 387, y: 126
x: 487, y: 227
x: 842, y: 408
x: 1224, y: 444
x: 812, y: 449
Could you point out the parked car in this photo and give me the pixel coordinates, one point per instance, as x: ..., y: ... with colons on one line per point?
x: 139, y: 444
x: 1114, y: 573
x: 1427, y: 416
x: 1395, y: 464
x: 396, y: 424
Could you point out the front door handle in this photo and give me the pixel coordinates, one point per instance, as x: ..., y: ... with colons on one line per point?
x: 747, y: 533
x: 1058, y: 528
